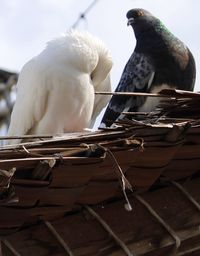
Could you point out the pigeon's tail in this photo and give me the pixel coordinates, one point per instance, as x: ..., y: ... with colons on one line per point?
x: 118, y: 104
x: 109, y: 117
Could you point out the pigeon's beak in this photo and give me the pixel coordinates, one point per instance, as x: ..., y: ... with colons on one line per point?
x: 130, y: 21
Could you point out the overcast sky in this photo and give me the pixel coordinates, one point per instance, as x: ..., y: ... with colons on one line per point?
x: 26, y: 26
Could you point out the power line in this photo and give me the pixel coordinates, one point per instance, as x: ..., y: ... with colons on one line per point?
x: 83, y: 15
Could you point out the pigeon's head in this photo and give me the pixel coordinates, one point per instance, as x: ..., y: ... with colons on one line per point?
x: 141, y: 20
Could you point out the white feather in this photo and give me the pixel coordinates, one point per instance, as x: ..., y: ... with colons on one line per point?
x: 151, y: 103
x: 56, y: 88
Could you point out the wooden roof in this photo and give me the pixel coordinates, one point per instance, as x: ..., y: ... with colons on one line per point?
x: 72, y: 194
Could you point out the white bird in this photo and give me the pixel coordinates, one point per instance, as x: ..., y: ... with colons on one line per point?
x: 56, y: 88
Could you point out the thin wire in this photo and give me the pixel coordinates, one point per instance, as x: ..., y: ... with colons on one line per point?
x: 61, y: 241
x: 83, y: 15
x: 110, y: 231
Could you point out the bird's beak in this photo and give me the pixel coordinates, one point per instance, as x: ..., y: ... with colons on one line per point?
x: 130, y: 21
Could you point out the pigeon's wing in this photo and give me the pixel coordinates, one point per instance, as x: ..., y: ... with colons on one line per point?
x: 137, y: 76
x: 31, y: 101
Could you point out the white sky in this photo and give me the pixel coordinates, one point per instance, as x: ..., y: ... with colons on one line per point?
x: 26, y: 26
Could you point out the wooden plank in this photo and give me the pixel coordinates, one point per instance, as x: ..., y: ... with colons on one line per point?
x: 142, y: 178
x: 155, y: 157
x: 188, y: 151
x: 72, y: 175
x: 42, y: 196
x: 14, y: 218
x: 182, y: 168
x: 97, y: 192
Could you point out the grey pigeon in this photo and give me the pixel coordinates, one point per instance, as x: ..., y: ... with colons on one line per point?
x: 159, y: 61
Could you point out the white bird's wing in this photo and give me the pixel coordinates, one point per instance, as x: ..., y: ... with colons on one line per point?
x: 31, y: 101
x: 101, y: 100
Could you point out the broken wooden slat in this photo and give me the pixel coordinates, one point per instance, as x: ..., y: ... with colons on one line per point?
x: 137, y: 229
